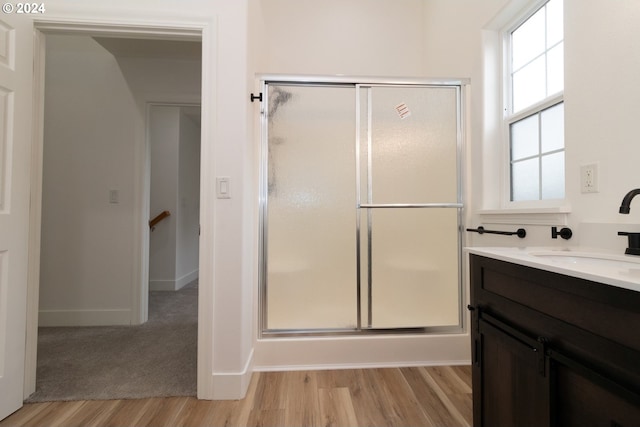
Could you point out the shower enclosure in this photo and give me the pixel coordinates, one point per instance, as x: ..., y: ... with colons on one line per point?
x: 360, y: 206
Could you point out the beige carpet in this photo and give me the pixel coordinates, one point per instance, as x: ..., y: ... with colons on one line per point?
x: 123, y: 362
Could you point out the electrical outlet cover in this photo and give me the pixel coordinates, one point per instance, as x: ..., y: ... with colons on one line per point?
x: 589, y: 178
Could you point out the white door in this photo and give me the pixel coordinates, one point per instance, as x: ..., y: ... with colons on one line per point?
x: 16, y: 78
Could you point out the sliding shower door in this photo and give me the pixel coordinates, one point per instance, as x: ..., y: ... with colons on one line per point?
x: 360, y: 205
x: 310, y: 198
x: 409, y: 206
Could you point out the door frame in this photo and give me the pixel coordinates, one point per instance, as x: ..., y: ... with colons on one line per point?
x: 110, y: 28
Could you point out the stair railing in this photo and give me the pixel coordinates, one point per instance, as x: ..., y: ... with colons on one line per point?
x: 162, y: 215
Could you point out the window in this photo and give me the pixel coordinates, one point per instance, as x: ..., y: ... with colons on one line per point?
x: 535, y: 109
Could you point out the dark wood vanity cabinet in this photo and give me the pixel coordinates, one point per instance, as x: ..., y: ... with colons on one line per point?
x: 552, y: 350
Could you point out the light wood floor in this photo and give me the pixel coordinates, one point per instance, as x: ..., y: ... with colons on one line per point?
x: 419, y: 396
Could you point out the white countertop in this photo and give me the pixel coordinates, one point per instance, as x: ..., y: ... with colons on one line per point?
x: 618, y: 270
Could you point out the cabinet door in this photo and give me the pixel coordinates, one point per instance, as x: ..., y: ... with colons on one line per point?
x: 582, y: 398
x: 514, y: 384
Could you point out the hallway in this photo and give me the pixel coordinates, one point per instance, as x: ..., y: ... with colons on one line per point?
x: 156, y: 359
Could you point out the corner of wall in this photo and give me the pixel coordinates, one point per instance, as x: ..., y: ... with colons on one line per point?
x: 232, y: 385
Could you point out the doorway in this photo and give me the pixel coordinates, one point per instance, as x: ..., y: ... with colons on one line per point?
x: 361, y: 219
x: 174, y: 155
x: 108, y: 171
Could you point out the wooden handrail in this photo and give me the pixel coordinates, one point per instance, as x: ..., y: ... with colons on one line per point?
x: 162, y: 215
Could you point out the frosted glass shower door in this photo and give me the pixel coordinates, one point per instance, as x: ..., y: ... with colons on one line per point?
x: 310, y: 218
x: 410, y: 207
x: 361, y: 208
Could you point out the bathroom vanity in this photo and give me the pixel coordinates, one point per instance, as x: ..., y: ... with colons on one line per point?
x: 555, y: 338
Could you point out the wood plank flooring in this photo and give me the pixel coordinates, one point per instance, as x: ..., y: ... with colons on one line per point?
x: 417, y: 396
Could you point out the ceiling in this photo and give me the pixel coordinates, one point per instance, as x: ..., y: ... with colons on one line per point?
x: 151, y: 48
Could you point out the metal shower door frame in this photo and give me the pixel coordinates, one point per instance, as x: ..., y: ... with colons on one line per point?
x: 370, y: 206
x: 358, y: 83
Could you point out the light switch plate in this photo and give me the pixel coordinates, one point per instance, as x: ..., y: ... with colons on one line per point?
x: 114, y: 196
x: 223, y: 187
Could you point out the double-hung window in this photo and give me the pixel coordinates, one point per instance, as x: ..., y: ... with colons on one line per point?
x: 534, y: 108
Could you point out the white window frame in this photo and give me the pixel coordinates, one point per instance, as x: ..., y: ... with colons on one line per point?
x: 510, y: 118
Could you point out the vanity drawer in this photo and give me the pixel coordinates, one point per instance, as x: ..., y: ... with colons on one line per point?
x: 606, y: 311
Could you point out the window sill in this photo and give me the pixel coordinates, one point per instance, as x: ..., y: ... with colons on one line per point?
x: 531, y: 216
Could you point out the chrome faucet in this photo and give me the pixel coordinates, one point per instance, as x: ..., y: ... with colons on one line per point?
x: 625, y: 207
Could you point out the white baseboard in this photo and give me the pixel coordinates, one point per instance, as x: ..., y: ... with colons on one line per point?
x: 173, y: 285
x: 232, y: 385
x: 380, y: 351
x: 326, y: 367
x: 84, y: 317
x: 186, y: 279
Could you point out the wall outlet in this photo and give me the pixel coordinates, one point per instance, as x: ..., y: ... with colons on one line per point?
x: 589, y: 178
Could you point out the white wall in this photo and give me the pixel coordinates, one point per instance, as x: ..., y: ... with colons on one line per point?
x: 164, y: 139
x: 355, y: 37
x: 162, y: 79
x: 90, y: 114
x: 188, y: 219
x: 600, y: 110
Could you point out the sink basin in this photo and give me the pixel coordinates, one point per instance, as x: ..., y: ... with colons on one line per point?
x: 588, y: 259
